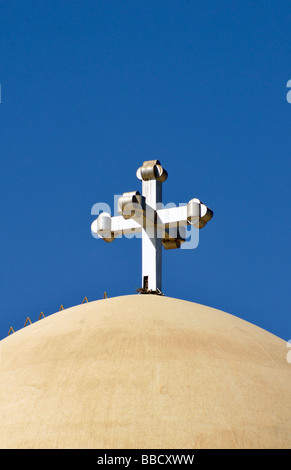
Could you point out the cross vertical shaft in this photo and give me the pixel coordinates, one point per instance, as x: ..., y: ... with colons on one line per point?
x: 152, y: 240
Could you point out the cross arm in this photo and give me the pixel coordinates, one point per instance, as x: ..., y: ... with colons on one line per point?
x: 108, y: 228
x: 170, y: 222
x: 136, y: 214
x: 194, y: 213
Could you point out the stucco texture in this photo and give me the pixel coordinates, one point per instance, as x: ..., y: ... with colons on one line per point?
x: 144, y: 372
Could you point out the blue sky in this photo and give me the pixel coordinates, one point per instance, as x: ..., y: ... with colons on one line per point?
x: 91, y: 89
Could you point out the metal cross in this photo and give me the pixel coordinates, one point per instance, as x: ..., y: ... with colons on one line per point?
x: 159, y: 227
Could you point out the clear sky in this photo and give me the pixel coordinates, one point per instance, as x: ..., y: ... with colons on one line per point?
x: 91, y: 89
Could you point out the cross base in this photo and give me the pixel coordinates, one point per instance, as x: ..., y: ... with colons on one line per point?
x: 142, y: 290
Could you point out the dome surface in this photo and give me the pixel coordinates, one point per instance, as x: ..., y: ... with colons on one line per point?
x: 144, y: 372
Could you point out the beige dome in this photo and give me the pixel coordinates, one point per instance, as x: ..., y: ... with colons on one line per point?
x: 144, y: 372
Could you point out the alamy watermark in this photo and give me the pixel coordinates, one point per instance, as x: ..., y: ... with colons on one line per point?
x: 189, y: 232
x: 147, y: 459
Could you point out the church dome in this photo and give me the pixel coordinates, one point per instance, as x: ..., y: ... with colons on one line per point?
x: 144, y: 372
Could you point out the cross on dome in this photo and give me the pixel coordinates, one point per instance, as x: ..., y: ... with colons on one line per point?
x: 160, y: 227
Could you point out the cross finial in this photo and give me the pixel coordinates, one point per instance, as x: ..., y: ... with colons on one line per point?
x: 152, y: 170
x: 160, y: 227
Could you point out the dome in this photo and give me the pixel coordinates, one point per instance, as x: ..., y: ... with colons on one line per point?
x: 144, y: 372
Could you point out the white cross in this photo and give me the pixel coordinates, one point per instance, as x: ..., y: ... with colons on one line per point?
x: 160, y: 227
